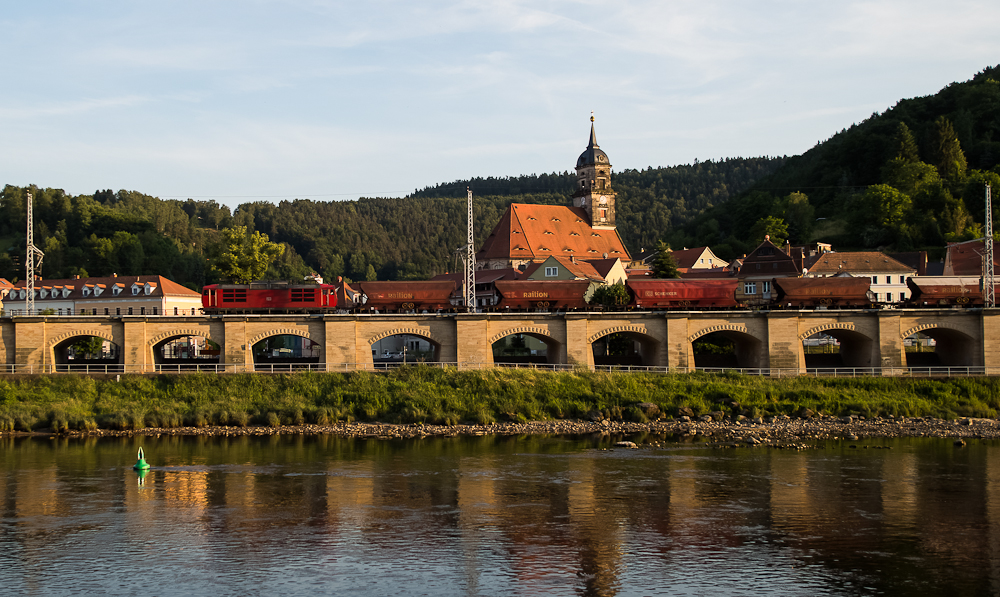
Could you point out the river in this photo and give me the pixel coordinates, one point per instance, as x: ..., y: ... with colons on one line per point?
x: 529, y: 515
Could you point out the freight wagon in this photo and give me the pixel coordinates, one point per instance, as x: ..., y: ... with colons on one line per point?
x: 678, y: 293
x: 544, y: 295
x: 405, y: 297
x: 808, y: 293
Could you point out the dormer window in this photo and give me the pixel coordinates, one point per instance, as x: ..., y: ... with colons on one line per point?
x: 531, y: 218
x: 43, y: 293
x: 594, y: 234
x: 135, y: 290
x: 554, y: 219
x: 116, y: 289
x: 574, y: 234
x: 98, y: 289
x: 549, y: 232
x: 86, y: 290
x: 148, y: 289
x: 66, y: 290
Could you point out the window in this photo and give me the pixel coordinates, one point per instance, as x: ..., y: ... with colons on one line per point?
x: 118, y: 310
x: 888, y: 280
x: 105, y: 311
x: 192, y: 310
x: 135, y: 290
x: 130, y: 310
x: 155, y: 309
x: 749, y: 288
x: 874, y: 279
x: 701, y: 261
x: 888, y: 297
x: 551, y: 272
x: 774, y: 265
x: 142, y: 311
x: 902, y: 279
x: 175, y: 310
x: 60, y: 311
x: 765, y: 287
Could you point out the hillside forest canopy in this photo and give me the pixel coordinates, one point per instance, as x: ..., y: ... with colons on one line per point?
x: 909, y: 178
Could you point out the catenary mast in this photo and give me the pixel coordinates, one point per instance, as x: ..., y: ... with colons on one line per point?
x: 989, y: 298
x: 470, y: 263
x: 30, y: 255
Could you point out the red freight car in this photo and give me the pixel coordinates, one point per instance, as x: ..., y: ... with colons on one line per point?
x: 679, y: 293
x: 823, y: 292
x: 269, y: 297
x: 546, y: 295
x: 943, y: 291
x: 405, y: 297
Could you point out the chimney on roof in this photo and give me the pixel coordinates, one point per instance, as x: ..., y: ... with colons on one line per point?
x: 113, y: 275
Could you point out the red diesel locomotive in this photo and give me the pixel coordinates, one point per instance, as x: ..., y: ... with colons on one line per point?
x: 269, y: 297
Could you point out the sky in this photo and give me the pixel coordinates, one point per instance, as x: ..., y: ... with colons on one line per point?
x: 259, y: 100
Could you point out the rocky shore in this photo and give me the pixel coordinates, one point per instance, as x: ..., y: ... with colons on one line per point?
x: 780, y: 431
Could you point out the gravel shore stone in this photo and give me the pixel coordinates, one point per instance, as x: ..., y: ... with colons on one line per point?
x: 781, y: 431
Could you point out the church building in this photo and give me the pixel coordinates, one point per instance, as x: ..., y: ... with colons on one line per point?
x: 529, y: 233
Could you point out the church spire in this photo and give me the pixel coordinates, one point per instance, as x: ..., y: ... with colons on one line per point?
x: 593, y: 192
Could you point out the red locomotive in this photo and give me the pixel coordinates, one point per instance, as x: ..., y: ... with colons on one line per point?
x: 543, y: 295
x: 678, y: 293
x: 269, y: 297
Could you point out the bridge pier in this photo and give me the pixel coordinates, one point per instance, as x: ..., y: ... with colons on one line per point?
x: 890, y: 353
x: 991, y: 340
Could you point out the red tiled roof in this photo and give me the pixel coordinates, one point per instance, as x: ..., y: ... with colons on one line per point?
x: 536, y: 232
x: 861, y: 262
x: 161, y: 286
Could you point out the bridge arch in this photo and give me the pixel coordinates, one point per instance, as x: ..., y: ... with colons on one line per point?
x: 283, y: 349
x: 404, y: 344
x: 625, y: 344
x: 526, y: 344
x: 836, y: 344
x: 176, y: 350
x: 726, y: 345
x: 952, y: 346
x: 65, y: 357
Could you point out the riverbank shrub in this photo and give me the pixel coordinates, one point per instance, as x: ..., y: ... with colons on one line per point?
x: 417, y: 394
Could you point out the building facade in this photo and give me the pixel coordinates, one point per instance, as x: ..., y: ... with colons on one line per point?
x: 112, y: 295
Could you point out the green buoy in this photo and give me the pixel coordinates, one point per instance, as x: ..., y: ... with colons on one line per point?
x: 140, y: 465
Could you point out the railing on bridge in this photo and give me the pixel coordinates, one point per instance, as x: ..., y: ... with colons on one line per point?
x: 117, y: 369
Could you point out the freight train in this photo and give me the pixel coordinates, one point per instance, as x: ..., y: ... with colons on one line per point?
x: 645, y: 294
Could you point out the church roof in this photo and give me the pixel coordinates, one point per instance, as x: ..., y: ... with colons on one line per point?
x: 536, y: 232
x: 593, y: 154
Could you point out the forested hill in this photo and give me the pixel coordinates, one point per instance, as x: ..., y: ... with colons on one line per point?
x: 911, y: 177
x: 131, y: 233
x: 651, y: 203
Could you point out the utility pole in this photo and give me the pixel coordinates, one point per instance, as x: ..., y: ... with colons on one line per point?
x: 989, y: 298
x: 30, y: 255
x: 470, y: 263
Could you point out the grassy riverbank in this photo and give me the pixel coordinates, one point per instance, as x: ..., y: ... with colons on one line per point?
x: 418, y: 394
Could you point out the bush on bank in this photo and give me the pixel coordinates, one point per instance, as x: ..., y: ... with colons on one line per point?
x: 418, y: 394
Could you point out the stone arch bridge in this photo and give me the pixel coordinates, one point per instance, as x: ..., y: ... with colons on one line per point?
x: 969, y: 337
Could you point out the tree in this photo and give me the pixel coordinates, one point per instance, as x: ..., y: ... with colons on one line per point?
x: 905, y: 144
x: 772, y: 227
x: 88, y: 347
x: 800, y: 216
x: 610, y: 295
x: 245, y: 257
x: 945, y: 151
x: 664, y: 266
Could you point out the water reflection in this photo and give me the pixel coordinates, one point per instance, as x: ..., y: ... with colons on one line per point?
x: 482, y: 516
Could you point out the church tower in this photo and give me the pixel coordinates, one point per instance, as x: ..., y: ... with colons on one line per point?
x: 593, y: 185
